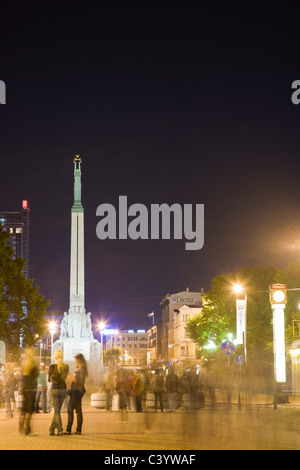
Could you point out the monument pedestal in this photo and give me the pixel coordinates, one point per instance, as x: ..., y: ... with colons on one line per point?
x: 90, y: 349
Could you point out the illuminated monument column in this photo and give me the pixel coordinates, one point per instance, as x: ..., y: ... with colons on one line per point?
x: 76, y: 334
x: 77, y: 240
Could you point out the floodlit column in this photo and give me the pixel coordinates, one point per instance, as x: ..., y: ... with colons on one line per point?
x: 77, y: 238
x: 278, y: 299
x: 279, y: 344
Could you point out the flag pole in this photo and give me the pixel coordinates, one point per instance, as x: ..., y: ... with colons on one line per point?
x: 151, y: 315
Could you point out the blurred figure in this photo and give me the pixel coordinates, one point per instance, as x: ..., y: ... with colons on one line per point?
x: 69, y: 380
x: 9, y: 386
x: 108, y: 384
x: 58, y: 373
x: 76, y: 393
x: 190, y: 389
x: 121, y: 388
x: 115, y: 397
x: 28, y: 387
x: 157, y: 384
x: 42, y: 390
x: 137, y: 392
x: 131, y: 405
x: 211, y: 388
x: 172, y: 383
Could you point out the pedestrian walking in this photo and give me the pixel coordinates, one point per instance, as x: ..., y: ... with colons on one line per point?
x: 28, y: 387
x: 58, y: 373
x: 76, y: 393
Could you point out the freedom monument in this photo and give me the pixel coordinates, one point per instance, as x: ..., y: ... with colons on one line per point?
x: 76, y: 334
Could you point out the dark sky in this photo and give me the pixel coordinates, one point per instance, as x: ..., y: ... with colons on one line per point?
x: 164, y: 104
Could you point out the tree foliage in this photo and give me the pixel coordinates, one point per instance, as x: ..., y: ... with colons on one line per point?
x: 22, y: 306
x: 218, y: 316
x: 112, y: 356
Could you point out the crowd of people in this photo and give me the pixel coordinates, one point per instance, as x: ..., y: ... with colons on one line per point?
x: 130, y: 390
x: 34, y: 388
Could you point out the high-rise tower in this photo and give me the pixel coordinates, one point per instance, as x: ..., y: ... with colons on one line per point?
x: 18, y: 223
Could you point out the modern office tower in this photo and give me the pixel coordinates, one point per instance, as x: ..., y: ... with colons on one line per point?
x: 18, y: 225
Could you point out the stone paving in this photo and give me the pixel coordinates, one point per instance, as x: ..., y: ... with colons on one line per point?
x: 255, y: 428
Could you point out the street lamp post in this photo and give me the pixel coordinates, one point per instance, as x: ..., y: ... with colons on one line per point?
x: 241, y: 319
x: 52, y: 331
x: 101, y: 327
x: 278, y: 300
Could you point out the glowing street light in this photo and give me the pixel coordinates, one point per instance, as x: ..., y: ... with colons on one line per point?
x: 238, y: 289
x: 210, y: 345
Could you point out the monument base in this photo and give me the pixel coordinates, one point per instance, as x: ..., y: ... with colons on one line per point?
x: 91, y: 350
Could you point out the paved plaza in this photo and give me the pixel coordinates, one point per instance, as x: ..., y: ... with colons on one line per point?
x: 249, y: 428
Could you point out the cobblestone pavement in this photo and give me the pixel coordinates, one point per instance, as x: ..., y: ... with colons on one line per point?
x: 253, y: 428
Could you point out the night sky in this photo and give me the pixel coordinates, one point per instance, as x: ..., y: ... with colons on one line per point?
x: 164, y: 104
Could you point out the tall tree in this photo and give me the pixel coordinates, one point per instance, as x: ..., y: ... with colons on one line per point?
x: 22, y: 306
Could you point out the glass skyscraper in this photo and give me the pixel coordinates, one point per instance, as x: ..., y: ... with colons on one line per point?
x: 17, y: 224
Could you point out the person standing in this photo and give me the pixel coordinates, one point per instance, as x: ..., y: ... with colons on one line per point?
x: 76, y: 393
x: 108, y: 384
x: 9, y: 384
x: 28, y: 387
x: 58, y: 373
x: 137, y: 392
x: 158, y: 389
x: 172, y: 383
x: 42, y: 391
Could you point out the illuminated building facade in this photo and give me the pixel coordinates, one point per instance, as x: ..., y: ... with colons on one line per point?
x: 171, y: 304
x: 182, y: 350
x: 133, y: 345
